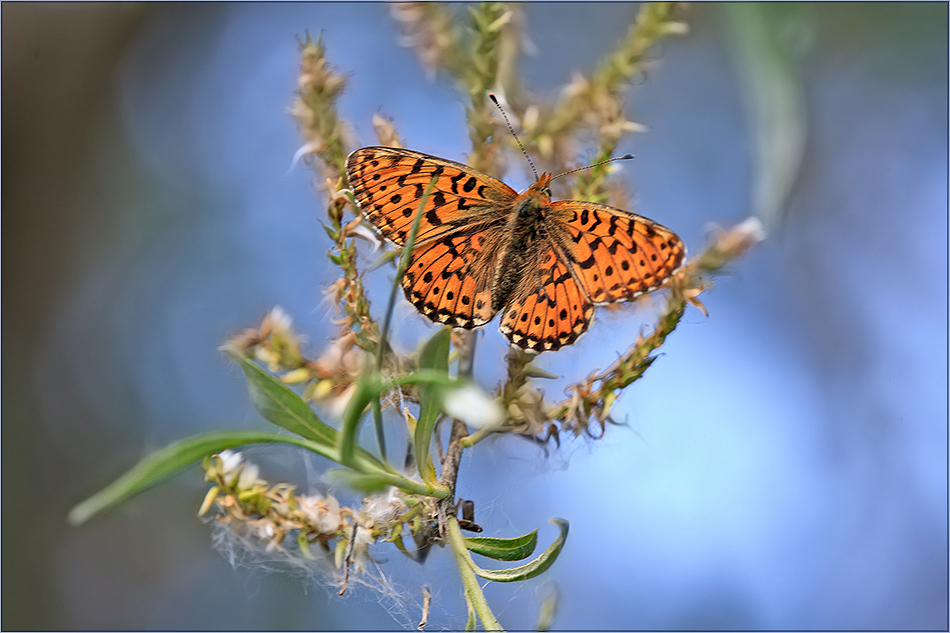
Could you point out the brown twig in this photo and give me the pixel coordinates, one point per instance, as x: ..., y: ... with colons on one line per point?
x: 348, y: 559
x: 426, y: 604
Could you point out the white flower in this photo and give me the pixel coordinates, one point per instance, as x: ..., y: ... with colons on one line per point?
x: 337, y: 406
x: 473, y: 406
x: 361, y: 231
x: 276, y: 321
x: 364, y: 538
x: 741, y: 237
x: 309, y: 148
x: 322, y: 513
x: 752, y: 229
x: 248, y: 476
x: 266, y: 533
x: 230, y: 464
x: 264, y: 530
x: 381, y: 511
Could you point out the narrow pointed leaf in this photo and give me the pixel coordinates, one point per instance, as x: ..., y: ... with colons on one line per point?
x: 367, y: 388
x: 404, y: 256
x: 166, y: 462
x: 280, y: 404
x: 425, y: 377
x: 366, y: 483
x: 384, y: 336
x: 434, y: 356
x: 777, y: 104
x: 396, y: 540
x: 532, y: 569
x: 517, y: 548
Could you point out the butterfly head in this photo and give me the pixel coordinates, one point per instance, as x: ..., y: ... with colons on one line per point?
x: 541, y: 188
x: 533, y: 201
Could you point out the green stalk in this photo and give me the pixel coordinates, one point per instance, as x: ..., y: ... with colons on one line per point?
x: 473, y: 591
x: 478, y: 436
x: 400, y: 271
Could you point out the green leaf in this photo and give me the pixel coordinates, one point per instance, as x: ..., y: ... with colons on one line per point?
x: 284, y: 407
x: 280, y: 404
x: 384, y: 259
x: 434, y: 356
x: 384, y: 333
x: 776, y: 99
x: 396, y: 539
x: 368, y: 483
x: 367, y: 387
x: 166, y: 462
x: 517, y: 548
x: 529, y: 570
x: 425, y: 377
x: 536, y: 372
x: 378, y: 427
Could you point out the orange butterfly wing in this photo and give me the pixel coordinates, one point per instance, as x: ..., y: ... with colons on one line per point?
x: 449, y: 279
x: 615, y: 255
x: 388, y: 183
x: 548, y: 309
x: 453, y: 261
x: 593, y: 255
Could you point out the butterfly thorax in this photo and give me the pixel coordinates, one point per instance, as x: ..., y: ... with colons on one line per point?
x: 524, y: 229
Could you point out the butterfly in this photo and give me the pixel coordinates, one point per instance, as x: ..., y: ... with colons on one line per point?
x: 482, y: 248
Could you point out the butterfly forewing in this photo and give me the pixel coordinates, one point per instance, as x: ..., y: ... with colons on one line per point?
x: 548, y: 309
x: 388, y: 183
x: 615, y: 255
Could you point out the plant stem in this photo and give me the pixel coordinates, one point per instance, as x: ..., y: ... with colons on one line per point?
x: 453, y: 457
x: 477, y: 436
x: 453, y: 454
x: 473, y: 591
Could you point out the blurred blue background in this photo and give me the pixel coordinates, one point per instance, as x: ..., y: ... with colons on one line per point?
x: 784, y: 463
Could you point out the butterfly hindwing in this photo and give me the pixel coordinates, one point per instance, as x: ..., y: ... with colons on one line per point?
x: 449, y: 278
x: 388, y: 183
x: 615, y: 255
x: 548, y: 309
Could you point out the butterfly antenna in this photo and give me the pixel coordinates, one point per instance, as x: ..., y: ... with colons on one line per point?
x: 512, y: 130
x: 603, y: 162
